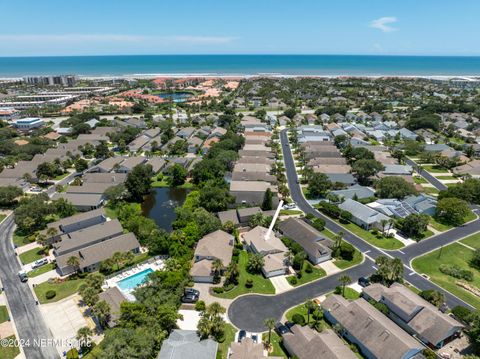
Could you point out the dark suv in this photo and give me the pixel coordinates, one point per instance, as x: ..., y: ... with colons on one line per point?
x: 190, y: 295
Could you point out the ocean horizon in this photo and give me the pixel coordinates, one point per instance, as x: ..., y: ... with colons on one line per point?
x: 240, y: 65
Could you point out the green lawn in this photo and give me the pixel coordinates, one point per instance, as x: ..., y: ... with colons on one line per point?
x: 229, y: 338
x: 442, y: 227
x: 382, y: 242
x: 289, y: 212
x: 11, y: 351
x: 260, y: 284
x: 445, y: 177
x: 309, y: 277
x: 299, y: 309
x: 472, y: 241
x: 3, y: 314
x: 164, y: 183
x: 452, y: 254
x: 434, y: 169
x: 2, y: 217
x: 62, y: 176
x: 351, y: 294
x: 277, y: 346
x: 344, y: 264
x: 430, y: 190
x: 112, y: 212
x: 63, y: 290
x: 419, y: 180
x: 19, y: 240
x: 43, y: 269
x: 32, y: 255
x: 327, y: 233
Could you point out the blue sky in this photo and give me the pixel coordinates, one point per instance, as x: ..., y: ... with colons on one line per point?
x: 105, y: 27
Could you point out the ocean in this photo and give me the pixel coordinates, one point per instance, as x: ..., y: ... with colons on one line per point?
x: 242, y: 65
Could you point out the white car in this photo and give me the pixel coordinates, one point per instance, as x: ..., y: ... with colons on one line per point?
x: 39, y: 263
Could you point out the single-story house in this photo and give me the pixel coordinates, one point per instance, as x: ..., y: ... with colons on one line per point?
x: 82, y: 201
x: 315, y: 245
x: 375, y: 334
x: 251, y: 192
x: 183, y: 344
x: 414, y: 314
x: 228, y: 216
x: 248, y: 349
x: 357, y: 191
x: 306, y: 343
x: 114, y: 298
x: 363, y: 215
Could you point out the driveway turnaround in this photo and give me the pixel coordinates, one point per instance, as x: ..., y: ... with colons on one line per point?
x: 249, y: 312
x: 29, y: 322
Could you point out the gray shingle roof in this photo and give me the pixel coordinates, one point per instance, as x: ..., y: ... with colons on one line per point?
x: 183, y: 344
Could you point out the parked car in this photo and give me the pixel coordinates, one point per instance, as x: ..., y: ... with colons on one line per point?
x: 39, y: 263
x: 23, y: 276
x: 192, y: 291
x: 364, y: 281
x: 189, y: 298
x: 190, y: 295
x: 241, y: 334
x: 281, y: 328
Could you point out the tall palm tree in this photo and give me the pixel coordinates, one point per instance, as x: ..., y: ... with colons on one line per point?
x: 102, y: 311
x: 118, y: 258
x: 344, y: 280
x: 383, y: 223
x: 217, y: 266
x: 338, y: 239
x: 41, y: 239
x: 310, y: 306
x: 74, y: 262
x: 52, y: 232
x: 84, y: 336
x: 270, y: 324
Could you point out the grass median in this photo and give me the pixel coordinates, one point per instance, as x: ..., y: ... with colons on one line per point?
x: 453, y: 254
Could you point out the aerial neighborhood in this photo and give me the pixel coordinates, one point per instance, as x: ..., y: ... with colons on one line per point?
x: 240, y: 217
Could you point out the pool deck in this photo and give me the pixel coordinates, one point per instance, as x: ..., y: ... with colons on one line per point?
x: 156, y: 265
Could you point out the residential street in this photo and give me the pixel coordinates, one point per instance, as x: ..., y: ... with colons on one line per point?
x: 250, y: 311
x: 26, y: 314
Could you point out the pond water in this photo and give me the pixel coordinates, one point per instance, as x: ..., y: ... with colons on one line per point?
x: 176, y: 96
x: 160, y: 205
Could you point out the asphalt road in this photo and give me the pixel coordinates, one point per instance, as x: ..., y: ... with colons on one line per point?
x: 26, y: 315
x: 249, y: 312
x: 436, y: 183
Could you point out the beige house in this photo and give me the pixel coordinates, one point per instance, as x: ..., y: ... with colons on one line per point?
x: 271, y: 249
x: 215, y: 245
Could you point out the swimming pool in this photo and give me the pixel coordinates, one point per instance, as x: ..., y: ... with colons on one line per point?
x: 130, y: 283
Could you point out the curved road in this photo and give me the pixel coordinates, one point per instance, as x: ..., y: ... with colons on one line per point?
x: 26, y: 315
x: 249, y: 311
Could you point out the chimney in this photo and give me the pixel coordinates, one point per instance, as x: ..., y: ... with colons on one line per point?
x: 274, y: 219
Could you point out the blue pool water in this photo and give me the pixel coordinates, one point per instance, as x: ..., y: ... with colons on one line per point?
x: 176, y: 96
x: 130, y: 283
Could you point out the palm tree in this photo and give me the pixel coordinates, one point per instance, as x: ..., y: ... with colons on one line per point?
x: 255, y: 263
x: 41, y: 239
x: 288, y: 258
x: 338, y: 239
x: 84, y: 336
x: 309, y: 305
x: 270, y: 324
x: 52, y: 232
x: 74, y: 262
x: 383, y: 223
x: 232, y: 273
x: 344, y: 280
x: 102, y: 311
x: 217, y: 266
x: 118, y: 258
x: 317, y: 317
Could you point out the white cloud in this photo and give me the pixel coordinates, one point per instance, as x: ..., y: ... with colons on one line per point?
x: 383, y: 23
x: 115, y: 38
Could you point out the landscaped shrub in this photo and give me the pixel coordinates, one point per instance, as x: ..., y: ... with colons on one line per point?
x: 299, y: 274
x: 456, y: 271
x: 228, y: 287
x: 292, y: 245
x: 308, y: 268
x: 298, y: 260
x: 236, y: 252
x: 218, y: 290
x: 249, y: 283
x: 72, y: 354
x: 50, y: 294
x: 293, y: 280
x: 329, y: 209
x: 338, y: 290
x: 345, y: 251
x: 462, y: 313
x: 200, y: 306
x: 298, y: 319
x: 318, y: 224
